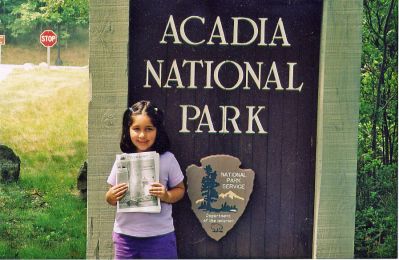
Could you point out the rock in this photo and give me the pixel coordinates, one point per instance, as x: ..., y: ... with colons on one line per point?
x: 9, y: 164
x: 43, y: 65
x: 82, y: 181
x: 28, y: 66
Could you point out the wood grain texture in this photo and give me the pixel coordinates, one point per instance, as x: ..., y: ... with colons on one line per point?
x: 335, y: 195
x: 109, y: 21
x: 279, y: 216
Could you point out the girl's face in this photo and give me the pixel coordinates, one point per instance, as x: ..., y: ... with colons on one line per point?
x: 142, y: 132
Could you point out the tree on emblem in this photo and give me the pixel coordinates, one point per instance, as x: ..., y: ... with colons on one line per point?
x: 208, y: 189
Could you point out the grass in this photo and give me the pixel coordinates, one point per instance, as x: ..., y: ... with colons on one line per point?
x: 76, y: 54
x: 44, y: 120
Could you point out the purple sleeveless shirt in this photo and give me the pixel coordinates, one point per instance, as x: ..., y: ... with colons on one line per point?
x: 139, y: 224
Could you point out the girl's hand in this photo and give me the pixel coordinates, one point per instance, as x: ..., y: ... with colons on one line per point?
x: 169, y: 196
x: 115, y: 193
x: 158, y: 190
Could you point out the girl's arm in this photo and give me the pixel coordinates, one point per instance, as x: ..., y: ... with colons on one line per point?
x: 169, y: 196
x: 115, y: 193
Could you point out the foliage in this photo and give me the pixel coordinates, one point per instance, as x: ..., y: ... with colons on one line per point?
x: 376, y: 217
x: 376, y: 214
x: 20, y: 18
x: 42, y: 215
x: 6, y: 7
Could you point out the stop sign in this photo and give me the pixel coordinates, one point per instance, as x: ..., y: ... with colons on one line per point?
x: 48, y: 38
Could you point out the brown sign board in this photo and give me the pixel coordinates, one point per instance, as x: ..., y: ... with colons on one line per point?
x: 2, y: 39
x: 236, y: 78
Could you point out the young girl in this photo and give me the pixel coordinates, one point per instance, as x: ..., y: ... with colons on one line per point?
x: 147, y: 235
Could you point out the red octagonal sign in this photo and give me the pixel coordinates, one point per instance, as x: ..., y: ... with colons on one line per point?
x: 48, y: 38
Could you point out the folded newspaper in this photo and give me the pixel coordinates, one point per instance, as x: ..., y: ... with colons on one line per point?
x: 139, y: 171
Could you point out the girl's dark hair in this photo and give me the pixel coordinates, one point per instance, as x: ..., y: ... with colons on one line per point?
x: 144, y: 107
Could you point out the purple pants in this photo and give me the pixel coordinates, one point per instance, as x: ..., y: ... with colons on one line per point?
x: 159, y: 247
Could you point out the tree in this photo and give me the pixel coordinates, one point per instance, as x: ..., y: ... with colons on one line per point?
x: 379, y: 80
x: 376, y: 203
x: 208, y: 190
x: 6, y: 7
x: 36, y: 15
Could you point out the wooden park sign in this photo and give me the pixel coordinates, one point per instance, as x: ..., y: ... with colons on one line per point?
x: 260, y: 99
x: 241, y: 80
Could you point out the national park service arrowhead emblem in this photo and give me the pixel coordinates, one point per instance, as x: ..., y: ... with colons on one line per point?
x: 219, y: 192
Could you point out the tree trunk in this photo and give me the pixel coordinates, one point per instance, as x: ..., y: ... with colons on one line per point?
x: 387, y: 138
x: 380, y: 83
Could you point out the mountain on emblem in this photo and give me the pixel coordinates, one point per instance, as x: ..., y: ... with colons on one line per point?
x: 231, y: 195
x: 228, y: 195
x: 219, y: 192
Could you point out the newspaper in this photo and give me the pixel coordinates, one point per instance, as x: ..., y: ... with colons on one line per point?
x: 139, y: 171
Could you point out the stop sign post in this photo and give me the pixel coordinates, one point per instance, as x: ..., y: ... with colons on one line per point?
x: 48, y: 39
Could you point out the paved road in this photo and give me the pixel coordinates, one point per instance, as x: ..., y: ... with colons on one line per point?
x: 6, y: 69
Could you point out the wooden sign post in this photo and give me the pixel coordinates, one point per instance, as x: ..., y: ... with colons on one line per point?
x: 2, y: 42
x: 274, y: 84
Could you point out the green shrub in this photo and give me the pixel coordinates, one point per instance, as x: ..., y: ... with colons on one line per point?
x: 376, y: 214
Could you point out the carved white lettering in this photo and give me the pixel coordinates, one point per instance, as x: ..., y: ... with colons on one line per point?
x: 246, y: 80
x: 206, y: 121
x: 218, y: 33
